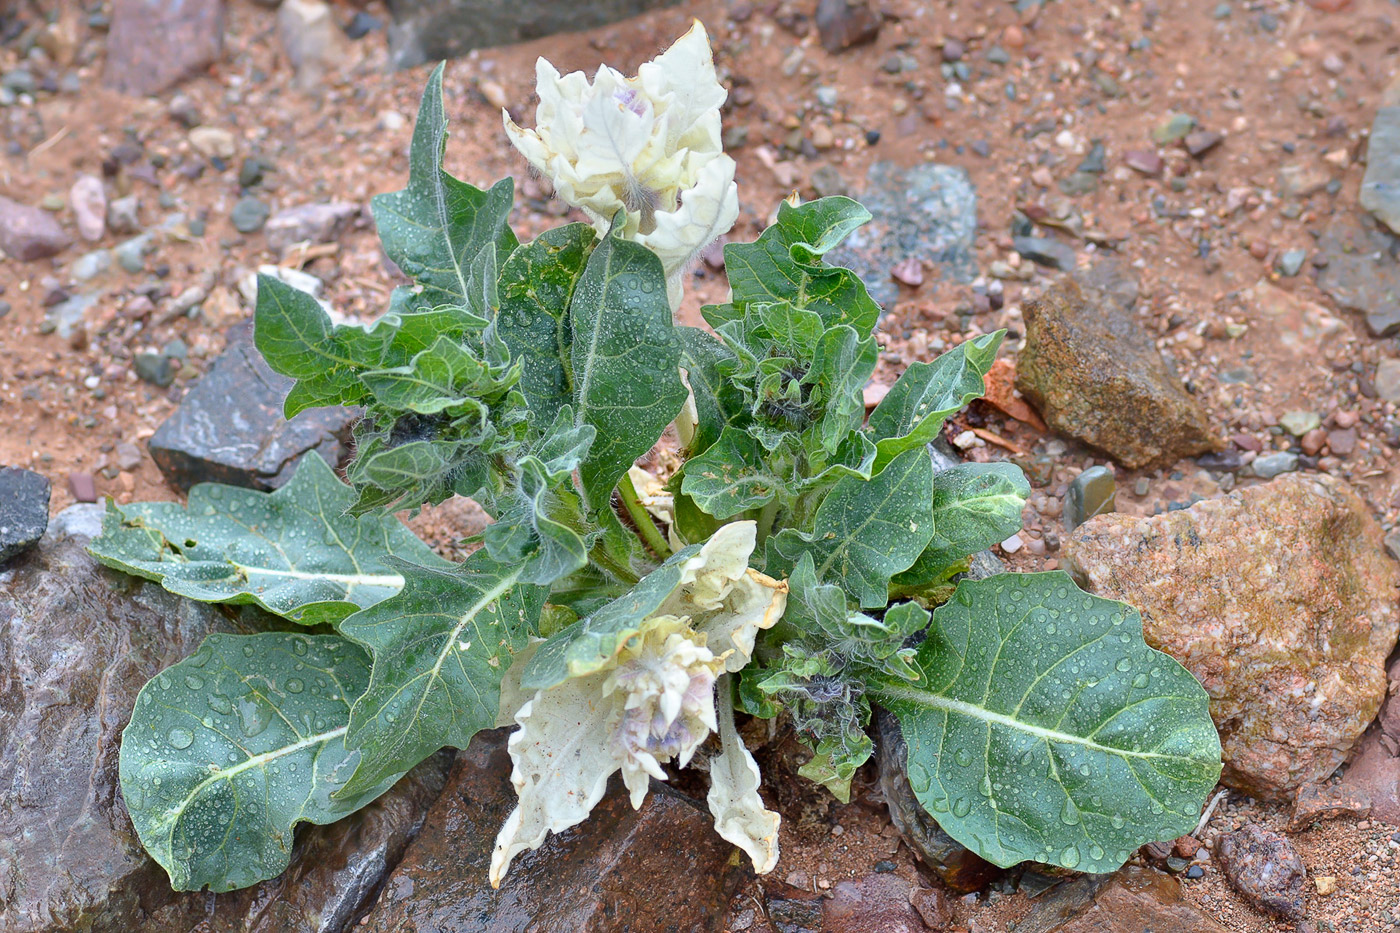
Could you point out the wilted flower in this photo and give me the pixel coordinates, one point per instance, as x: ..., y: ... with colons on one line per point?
x: 648, y: 145
x: 650, y: 703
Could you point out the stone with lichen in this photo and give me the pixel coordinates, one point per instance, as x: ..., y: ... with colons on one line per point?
x: 1279, y: 599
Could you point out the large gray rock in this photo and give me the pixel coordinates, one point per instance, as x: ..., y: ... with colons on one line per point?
x: 24, y: 510
x: 1362, y: 272
x: 1380, y: 188
x: 155, y: 44
x: 660, y: 869
x: 928, y: 212
x: 1280, y: 599
x: 229, y: 427
x: 77, y: 642
x: 425, y: 30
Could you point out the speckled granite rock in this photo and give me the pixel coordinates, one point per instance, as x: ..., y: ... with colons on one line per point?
x: 1281, y: 601
x: 1096, y: 375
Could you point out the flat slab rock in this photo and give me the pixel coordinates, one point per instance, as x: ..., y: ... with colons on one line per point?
x: 1096, y: 375
x: 1374, y: 772
x: 928, y: 212
x: 1132, y: 899
x: 24, y: 510
x: 427, y: 30
x: 1280, y: 599
x: 1362, y: 273
x: 661, y: 869
x: 153, y: 45
x: 77, y: 642
x: 229, y: 427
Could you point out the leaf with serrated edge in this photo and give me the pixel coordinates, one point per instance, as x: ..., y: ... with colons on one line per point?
x: 230, y: 748
x: 293, y: 552
x: 440, y: 648
x: 1045, y: 728
x: 975, y: 505
x: 785, y: 264
x: 865, y: 531
x: 626, y: 361
x: 730, y: 477
x: 913, y: 411
x: 434, y: 228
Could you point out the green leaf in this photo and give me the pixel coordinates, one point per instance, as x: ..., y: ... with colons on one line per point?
x: 444, y: 376
x: 730, y: 477
x: 718, y: 401
x: 537, y: 284
x: 435, y: 228
x: 975, y: 505
x: 785, y: 264
x: 913, y: 412
x: 293, y: 552
x: 440, y: 648
x: 865, y: 531
x: 626, y: 361
x: 843, y: 366
x: 1046, y: 729
x: 230, y: 748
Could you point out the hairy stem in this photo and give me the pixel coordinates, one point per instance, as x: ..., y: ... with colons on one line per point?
x: 765, y: 522
x: 651, y: 535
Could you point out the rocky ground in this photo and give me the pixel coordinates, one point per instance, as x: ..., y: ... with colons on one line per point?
x: 1177, y: 210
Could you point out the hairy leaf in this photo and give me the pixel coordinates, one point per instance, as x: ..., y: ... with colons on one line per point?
x: 923, y: 397
x: 537, y: 284
x: 440, y: 649
x: 718, y: 402
x: 435, y: 228
x: 785, y: 264
x: 230, y: 748
x: 293, y: 552
x: 865, y: 531
x: 1046, y: 729
x: 730, y: 477
x: 843, y: 366
x: 626, y: 361
x: 975, y: 505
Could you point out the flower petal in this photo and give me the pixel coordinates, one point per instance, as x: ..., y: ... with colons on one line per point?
x: 740, y: 816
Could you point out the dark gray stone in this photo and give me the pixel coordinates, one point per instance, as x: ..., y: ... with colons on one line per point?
x: 1362, y: 273
x: 925, y: 212
x: 155, y: 44
x: 1092, y: 492
x: 427, y: 30
x: 842, y: 24
x: 660, y: 869
x: 1380, y: 188
x: 154, y: 368
x: 24, y: 510
x: 29, y: 233
x: 230, y: 429
x: 1045, y: 251
x: 249, y: 215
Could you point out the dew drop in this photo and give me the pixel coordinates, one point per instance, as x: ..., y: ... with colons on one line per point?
x: 918, y: 778
x: 194, y: 681
x: 963, y: 757
x: 1124, y: 665
x: 1140, y: 681
x: 962, y: 807
x: 180, y: 738
x: 253, y: 717
x: 1096, y: 852
x: 1069, y: 814
x: 219, y: 703
x: 294, y: 685
x: 1117, y: 822
x: 1070, y: 856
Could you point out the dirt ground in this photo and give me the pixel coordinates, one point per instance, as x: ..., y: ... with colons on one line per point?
x: 1285, y: 83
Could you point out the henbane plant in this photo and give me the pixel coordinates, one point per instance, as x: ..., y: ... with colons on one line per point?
x: 804, y: 561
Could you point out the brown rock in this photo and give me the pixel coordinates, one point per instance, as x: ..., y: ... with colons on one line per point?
x: 876, y: 902
x: 1314, y: 803
x: 29, y: 233
x: 1375, y: 772
x: 909, y: 272
x: 83, y: 487
x: 1279, y: 599
x: 842, y: 24
x: 1199, y: 142
x: 662, y: 868
x: 1134, y: 899
x: 155, y: 44
x: 1263, y: 867
x: 1096, y: 375
x: 309, y: 223
x: 1146, y: 161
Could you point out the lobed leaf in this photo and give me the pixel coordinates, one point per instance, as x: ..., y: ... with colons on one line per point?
x: 975, y: 505
x: 625, y: 359
x: 294, y: 552
x: 230, y: 748
x: 730, y: 476
x: 440, y: 649
x: 920, y: 401
x: 865, y: 531
x: 1044, y: 728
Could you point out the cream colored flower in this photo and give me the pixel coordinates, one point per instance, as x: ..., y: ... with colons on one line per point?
x: 651, y: 703
x: 648, y: 145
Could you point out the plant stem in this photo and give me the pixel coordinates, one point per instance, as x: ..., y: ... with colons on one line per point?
x: 651, y: 535
x: 600, y: 558
x: 765, y: 522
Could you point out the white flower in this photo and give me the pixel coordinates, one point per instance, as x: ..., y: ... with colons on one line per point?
x: 651, y: 703
x: 648, y: 145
